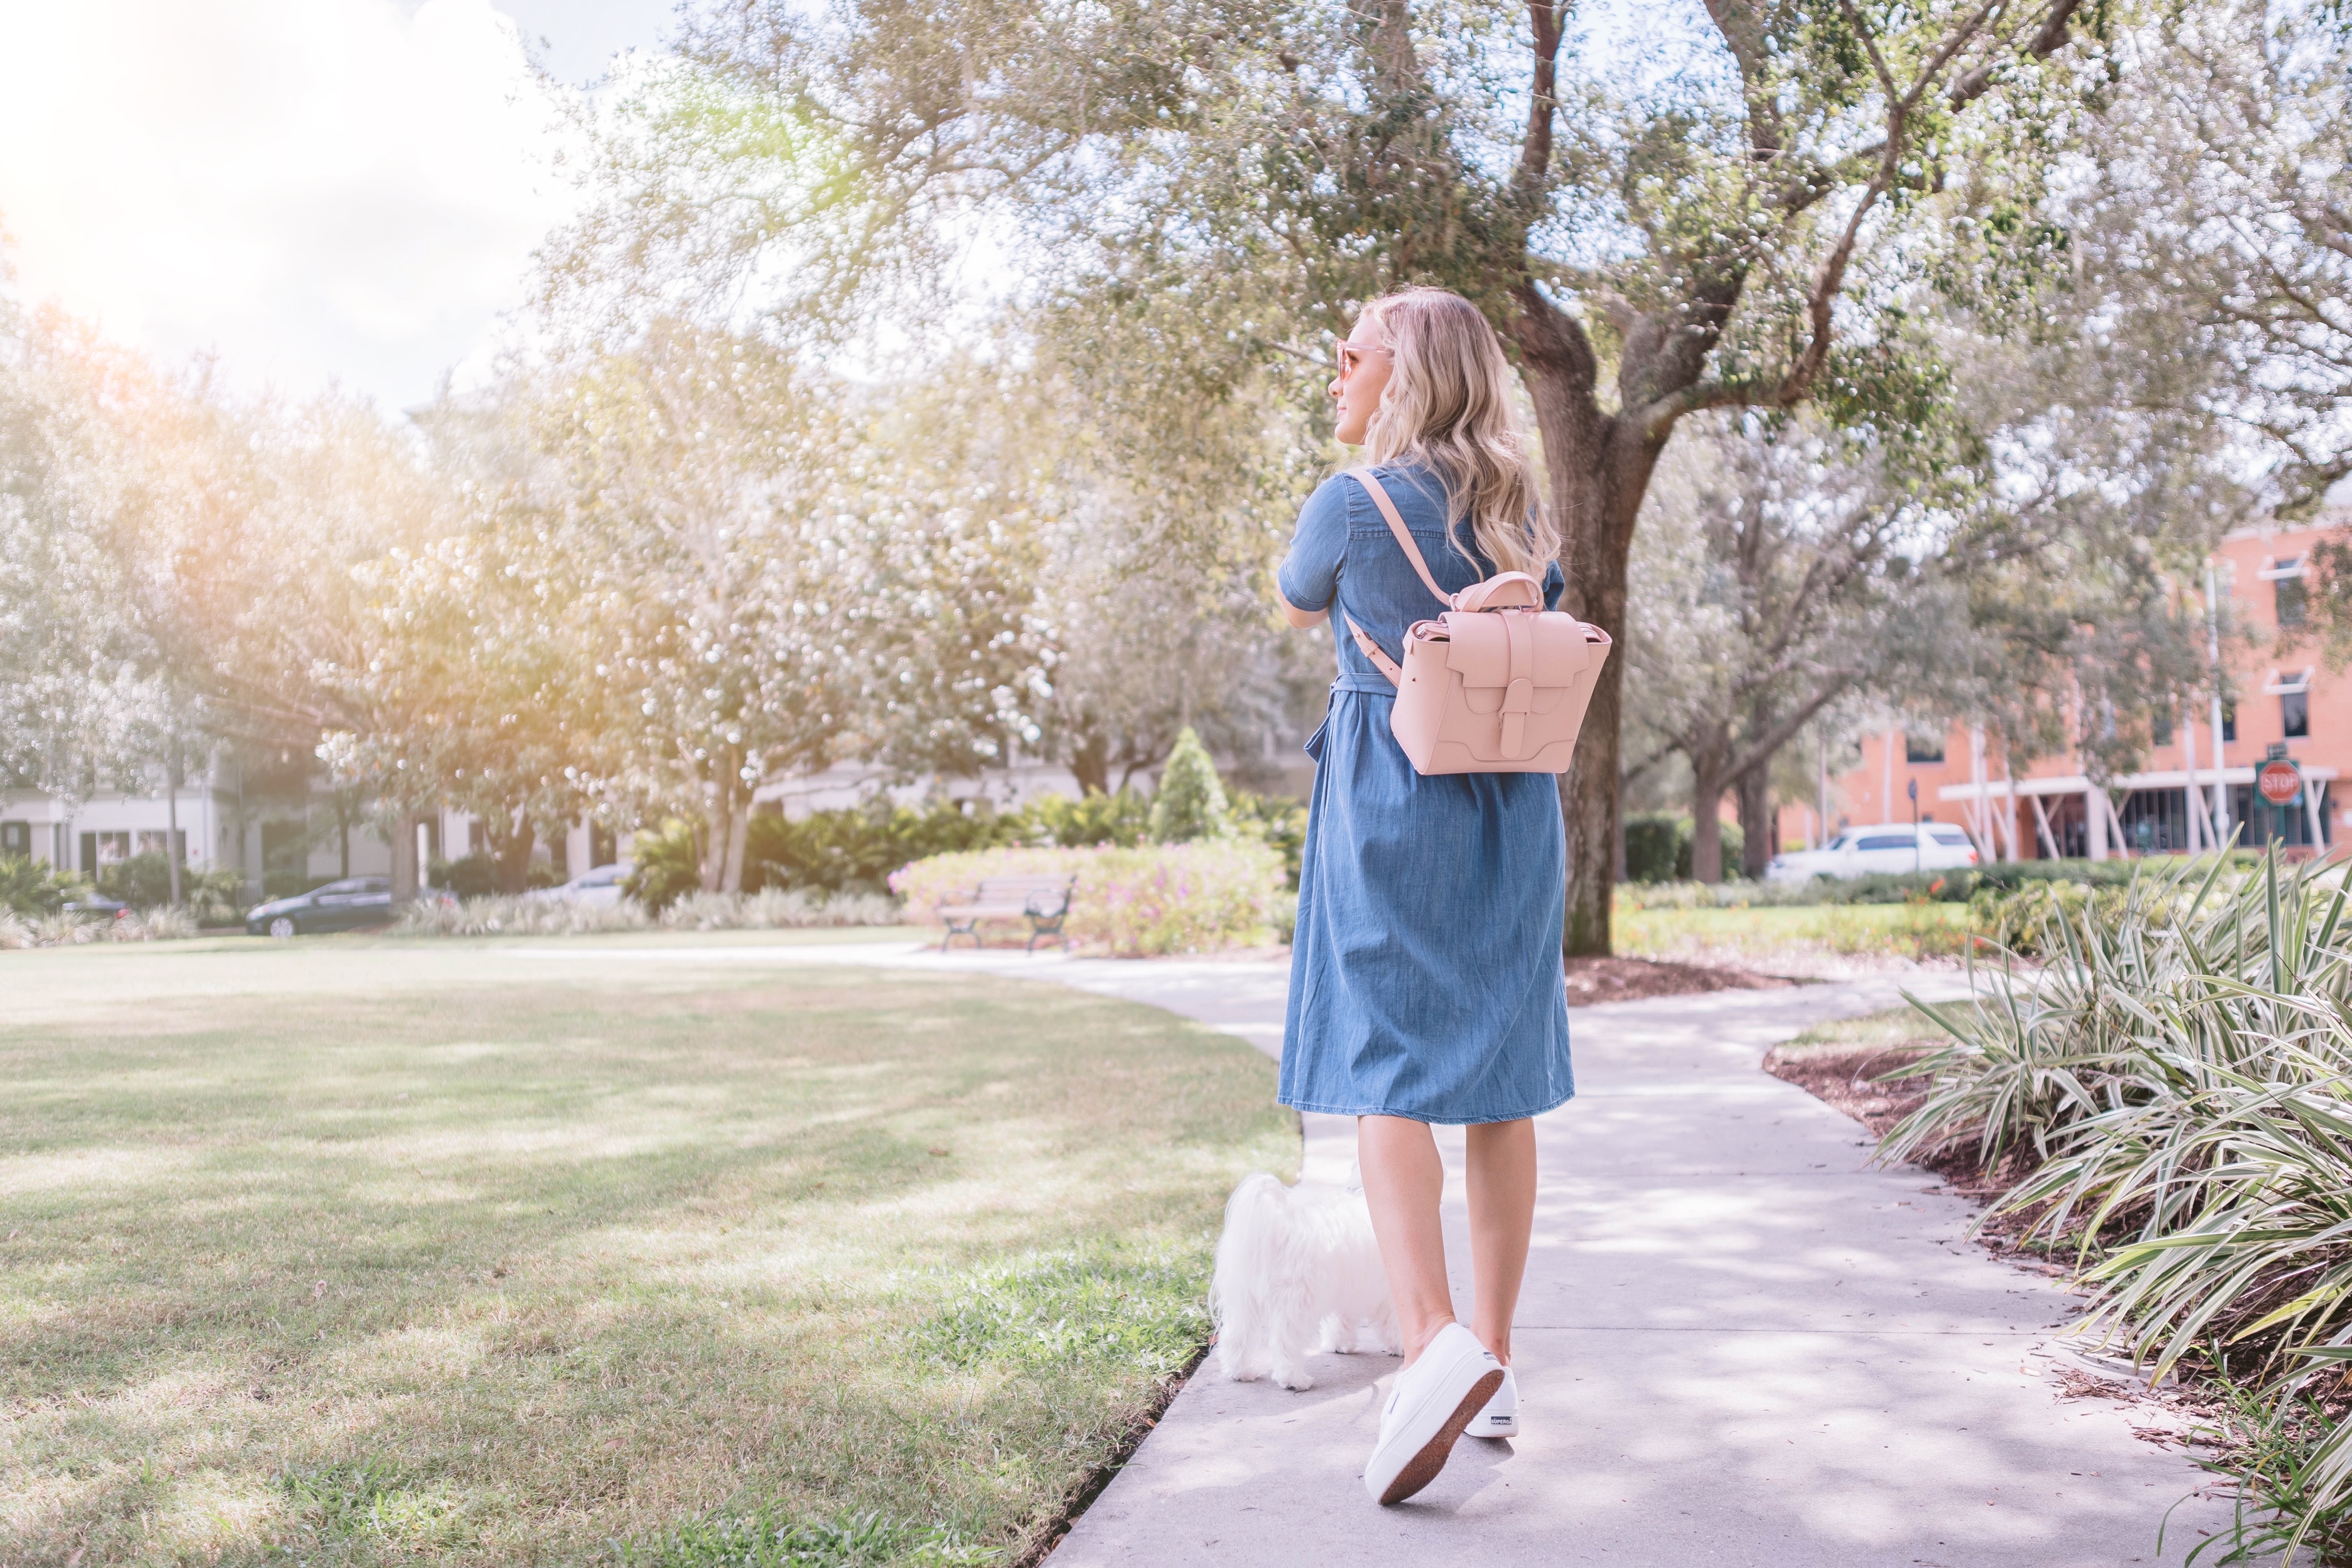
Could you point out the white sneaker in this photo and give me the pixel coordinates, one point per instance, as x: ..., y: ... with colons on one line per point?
x: 1500, y: 1418
x: 1433, y: 1400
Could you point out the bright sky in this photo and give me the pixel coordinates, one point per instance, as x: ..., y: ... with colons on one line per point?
x: 315, y: 191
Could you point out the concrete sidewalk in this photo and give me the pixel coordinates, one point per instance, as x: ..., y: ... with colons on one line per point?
x: 1737, y: 1343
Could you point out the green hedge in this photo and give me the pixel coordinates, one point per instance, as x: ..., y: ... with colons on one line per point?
x: 856, y: 850
x: 1956, y: 886
x: 144, y: 881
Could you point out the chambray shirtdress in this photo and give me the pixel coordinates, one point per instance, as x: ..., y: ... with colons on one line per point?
x: 1425, y: 977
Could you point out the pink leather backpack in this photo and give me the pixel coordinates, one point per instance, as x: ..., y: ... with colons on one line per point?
x: 1488, y: 687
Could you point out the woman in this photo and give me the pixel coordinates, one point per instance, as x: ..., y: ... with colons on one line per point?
x: 1425, y: 982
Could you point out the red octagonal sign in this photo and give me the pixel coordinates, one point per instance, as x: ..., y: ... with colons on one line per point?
x: 2279, y: 782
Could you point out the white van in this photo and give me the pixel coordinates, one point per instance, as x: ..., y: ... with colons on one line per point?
x: 1888, y: 847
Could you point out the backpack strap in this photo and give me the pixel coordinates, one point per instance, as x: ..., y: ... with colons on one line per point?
x: 1473, y: 597
x: 1380, y: 661
x: 1396, y: 525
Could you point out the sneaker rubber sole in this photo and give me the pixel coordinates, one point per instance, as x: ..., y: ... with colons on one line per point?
x: 1422, y: 1468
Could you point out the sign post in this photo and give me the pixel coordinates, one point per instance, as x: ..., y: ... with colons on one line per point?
x: 2279, y: 782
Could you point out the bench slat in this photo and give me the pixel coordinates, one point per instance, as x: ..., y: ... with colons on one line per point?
x: 1014, y: 898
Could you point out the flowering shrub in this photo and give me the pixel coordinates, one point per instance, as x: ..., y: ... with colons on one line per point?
x: 1154, y: 898
x: 63, y: 930
x: 516, y: 917
x: 769, y: 910
x: 774, y: 909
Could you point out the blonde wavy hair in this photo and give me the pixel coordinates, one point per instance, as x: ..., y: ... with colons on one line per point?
x: 1448, y: 407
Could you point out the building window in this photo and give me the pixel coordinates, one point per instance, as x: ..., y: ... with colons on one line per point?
x: 17, y: 839
x: 152, y: 842
x: 2292, y: 599
x: 2161, y: 728
x: 99, y: 850
x: 2295, y: 715
x: 1922, y: 749
x: 2229, y: 721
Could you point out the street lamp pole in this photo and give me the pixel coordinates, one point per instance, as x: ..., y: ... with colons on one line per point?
x: 2220, y: 752
x: 1917, y: 859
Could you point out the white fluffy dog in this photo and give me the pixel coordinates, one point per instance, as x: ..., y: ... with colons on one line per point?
x: 1297, y: 1273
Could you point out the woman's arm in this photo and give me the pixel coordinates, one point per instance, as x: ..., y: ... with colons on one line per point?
x: 1309, y: 574
x: 1302, y: 619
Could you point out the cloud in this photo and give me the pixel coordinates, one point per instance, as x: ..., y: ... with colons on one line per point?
x: 316, y: 190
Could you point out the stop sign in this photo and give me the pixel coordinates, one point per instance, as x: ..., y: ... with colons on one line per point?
x: 2279, y: 782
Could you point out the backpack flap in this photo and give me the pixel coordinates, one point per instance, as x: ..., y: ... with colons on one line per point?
x: 1491, y: 651
x: 1521, y: 663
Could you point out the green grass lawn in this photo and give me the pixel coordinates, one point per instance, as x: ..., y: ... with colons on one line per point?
x: 1757, y: 936
x: 1888, y: 1030
x: 355, y: 1253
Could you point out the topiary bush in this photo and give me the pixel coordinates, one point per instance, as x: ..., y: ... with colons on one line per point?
x: 1154, y: 899
x: 1189, y: 803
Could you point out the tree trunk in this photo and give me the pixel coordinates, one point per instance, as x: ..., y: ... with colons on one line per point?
x: 405, y: 877
x: 1090, y: 765
x: 1599, y: 467
x: 1757, y: 831
x: 511, y: 854
x: 1706, y: 823
x: 716, y: 818
x: 738, y: 830
x: 727, y: 823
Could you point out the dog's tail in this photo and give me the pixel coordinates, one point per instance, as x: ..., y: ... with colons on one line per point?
x: 1250, y: 1214
x: 1253, y: 1217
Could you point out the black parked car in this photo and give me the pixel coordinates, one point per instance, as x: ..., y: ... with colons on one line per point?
x: 338, y: 906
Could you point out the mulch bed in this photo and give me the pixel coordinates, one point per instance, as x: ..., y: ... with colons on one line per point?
x: 1592, y: 980
x: 1847, y: 1080
x: 1844, y: 1080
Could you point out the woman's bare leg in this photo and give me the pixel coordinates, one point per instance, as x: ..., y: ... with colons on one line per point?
x: 1403, y: 1182
x: 1502, y: 1171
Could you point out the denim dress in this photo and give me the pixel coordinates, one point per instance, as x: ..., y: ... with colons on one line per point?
x: 1426, y: 976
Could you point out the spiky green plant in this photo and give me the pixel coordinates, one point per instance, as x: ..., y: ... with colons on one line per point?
x: 2186, y: 1086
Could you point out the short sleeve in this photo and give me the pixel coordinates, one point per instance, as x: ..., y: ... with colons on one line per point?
x: 1310, y: 577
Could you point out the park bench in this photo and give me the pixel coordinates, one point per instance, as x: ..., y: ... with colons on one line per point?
x: 1042, y: 901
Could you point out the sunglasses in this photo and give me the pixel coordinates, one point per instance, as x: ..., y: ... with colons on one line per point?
x: 1353, y: 354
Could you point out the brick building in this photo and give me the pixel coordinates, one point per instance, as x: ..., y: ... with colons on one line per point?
x: 2284, y: 697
